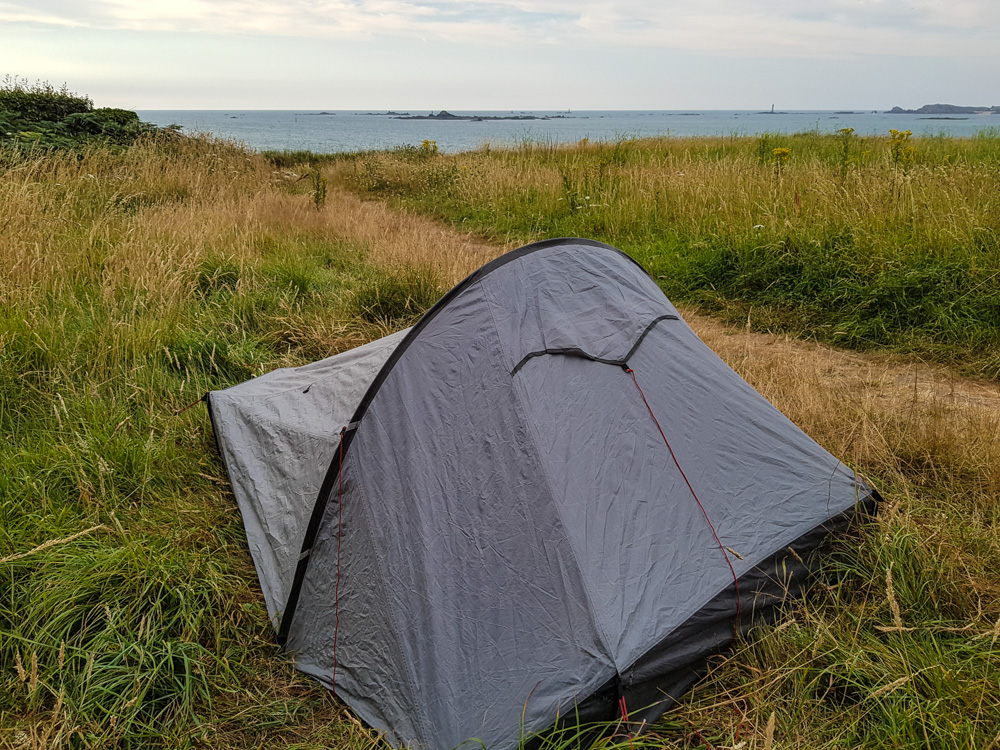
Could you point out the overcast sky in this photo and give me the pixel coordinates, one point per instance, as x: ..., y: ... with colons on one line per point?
x: 508, y: 54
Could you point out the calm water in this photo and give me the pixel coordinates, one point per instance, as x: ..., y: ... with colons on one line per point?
x: 354, y: 131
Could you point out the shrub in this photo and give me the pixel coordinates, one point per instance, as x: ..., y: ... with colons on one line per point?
x: 40, y: 115
x: 40, y: 102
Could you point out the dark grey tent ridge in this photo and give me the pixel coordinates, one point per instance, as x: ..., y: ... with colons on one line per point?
x: 514, y: 542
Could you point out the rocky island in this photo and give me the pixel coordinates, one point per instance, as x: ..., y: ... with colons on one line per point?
x: 445, y: 115
x: 945, y: 109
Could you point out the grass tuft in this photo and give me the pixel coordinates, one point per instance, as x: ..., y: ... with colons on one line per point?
x: 396, y: 298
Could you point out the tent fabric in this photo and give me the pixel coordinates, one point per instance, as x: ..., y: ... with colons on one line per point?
x: 277, y: 434
x: 513, y: 540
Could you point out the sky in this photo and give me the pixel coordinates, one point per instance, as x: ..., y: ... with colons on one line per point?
x: 508, y: 54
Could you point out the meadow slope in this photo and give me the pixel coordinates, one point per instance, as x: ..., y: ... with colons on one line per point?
x: 130, y: 616
x: 871, y: 243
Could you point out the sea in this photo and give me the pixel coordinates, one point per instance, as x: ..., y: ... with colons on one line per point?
x: 333, y: 131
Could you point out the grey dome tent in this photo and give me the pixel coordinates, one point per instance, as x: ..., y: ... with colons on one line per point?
x: 536, y: 503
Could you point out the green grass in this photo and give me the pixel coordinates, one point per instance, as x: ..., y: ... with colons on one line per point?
x: 861, y: 242
x: 133, y: 282
x: 149, y: 630
x: 396, y: 299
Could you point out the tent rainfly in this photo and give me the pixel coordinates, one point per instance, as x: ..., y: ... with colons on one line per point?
x: 546, y: 499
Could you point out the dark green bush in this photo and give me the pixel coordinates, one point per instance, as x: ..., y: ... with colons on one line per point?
x: 290, y: 159
x: 40, y: 115
x: 40, y: 102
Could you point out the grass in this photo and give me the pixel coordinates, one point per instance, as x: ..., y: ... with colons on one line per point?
x: 869, y: 243
x: 130, y: 285
x: 132, y: 282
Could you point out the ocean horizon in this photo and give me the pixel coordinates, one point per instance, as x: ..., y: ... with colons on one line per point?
x: 332, y: 131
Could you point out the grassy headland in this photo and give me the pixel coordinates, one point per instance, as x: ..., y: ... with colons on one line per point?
x: 134, y: 279
x: 870, y: 243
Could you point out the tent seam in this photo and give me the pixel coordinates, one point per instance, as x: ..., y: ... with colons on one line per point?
x: 575, y: 351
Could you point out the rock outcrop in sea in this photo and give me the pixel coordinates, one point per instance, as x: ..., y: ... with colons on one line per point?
x: 945, y: 109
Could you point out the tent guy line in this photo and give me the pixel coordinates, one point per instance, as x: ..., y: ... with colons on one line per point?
x: 736, y: 582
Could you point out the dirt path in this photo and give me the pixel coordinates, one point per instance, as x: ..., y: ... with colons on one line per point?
x: 796, y: 375
x: 884, y: 377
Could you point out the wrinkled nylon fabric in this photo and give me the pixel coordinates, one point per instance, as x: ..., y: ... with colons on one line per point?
x: 277, y: 435
x: 601, y: 305
x: 648, y: 554
x: 484, y: 608
x: 513, y: 544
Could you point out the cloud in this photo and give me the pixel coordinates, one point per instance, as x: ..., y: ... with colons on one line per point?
x: 760, y: 28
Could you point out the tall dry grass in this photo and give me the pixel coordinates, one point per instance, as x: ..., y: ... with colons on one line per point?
x: 146, y: 217
x: 856, y: 241
x: 129, y: 610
